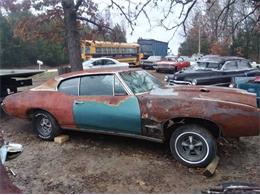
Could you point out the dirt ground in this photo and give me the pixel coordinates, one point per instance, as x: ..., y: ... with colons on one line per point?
x: 92, y: 163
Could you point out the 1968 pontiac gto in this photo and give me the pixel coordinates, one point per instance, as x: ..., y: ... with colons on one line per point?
x: 131, y: 102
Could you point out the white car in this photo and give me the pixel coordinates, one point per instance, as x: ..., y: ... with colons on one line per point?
x: 102, y: 63
x: 255, y: 65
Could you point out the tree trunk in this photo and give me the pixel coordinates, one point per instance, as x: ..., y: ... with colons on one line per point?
x: 73, y: 39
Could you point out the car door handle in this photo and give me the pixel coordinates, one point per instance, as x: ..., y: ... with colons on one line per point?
x: 79, y: 102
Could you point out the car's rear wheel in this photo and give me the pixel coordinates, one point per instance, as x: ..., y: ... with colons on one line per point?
x: 45, y: 125
x: 193, y: 146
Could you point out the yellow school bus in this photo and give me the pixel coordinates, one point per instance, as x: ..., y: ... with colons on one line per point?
x: 123, y: 52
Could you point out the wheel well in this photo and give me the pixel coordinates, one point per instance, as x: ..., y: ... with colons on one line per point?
x: 30, y: 112
x: 173, y: 124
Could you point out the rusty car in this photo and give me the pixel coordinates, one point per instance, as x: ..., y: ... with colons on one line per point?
x: 133, y: 103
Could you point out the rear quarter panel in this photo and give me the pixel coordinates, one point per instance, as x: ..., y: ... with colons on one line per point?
x: 56, y: 103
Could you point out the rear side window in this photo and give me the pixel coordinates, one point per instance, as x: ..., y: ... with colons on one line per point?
x: 70, y: 86
x: 96, y: 85
x: 243, y: 64
x: 230, y: 65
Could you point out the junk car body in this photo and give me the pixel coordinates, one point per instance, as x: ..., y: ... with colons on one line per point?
x: 213, y: 71
x: 131, y: 102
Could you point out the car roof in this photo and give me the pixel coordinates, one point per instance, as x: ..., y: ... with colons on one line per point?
x: 101, y: 58
x: 221, y: 59
x: 51, y: 84
x: 97, y: 71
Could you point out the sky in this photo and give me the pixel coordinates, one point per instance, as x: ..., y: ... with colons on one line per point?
x: 143, y: 29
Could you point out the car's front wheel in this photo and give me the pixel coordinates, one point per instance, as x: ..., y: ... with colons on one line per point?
x: 193, y: 146
x: 45, y: 125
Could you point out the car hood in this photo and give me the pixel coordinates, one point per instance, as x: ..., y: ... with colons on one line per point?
x: 166, y: 62
x: 189, y: 74
x: 206, y: 93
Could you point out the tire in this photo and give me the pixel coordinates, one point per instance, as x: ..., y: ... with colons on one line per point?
x: 193, y: 146
x: 45, y: 125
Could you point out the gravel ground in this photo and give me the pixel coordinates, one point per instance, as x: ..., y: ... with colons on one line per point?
x: 91, y: 163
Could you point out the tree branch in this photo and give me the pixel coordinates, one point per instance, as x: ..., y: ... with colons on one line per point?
x: 78, y: 4
x: 100, y: 26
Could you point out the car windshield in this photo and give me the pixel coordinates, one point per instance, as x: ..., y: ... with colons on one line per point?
x: 154, y: 58
x: 89, y: 61
x: 140, y: 81
x: 172, y: 59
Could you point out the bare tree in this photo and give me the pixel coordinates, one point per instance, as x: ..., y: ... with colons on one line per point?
x: 181, y: 10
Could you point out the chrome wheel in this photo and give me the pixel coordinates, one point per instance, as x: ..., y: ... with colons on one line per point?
x: 44, y: 125
x: 191, y: 147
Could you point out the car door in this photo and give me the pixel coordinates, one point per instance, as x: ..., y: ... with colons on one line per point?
x: 104, y: 105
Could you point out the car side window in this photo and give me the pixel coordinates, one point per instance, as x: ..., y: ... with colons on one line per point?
x: 108, y: 62
x: 70, y: 86
x: 231, y: 65
x: 119, y: 89
x: 96, y: 85
x: 97, y: 63
x: 243, y: 65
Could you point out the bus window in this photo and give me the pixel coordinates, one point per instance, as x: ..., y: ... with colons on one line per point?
x: 98, y: 50
x: 113, y: 50
x: 109, y: 50
x: 87, y: 50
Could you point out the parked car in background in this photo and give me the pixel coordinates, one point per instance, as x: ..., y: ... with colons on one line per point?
x: 102, y: 63
x: 193, y: 61
x: 251, y: 84
x: 133, y: 103
x: 255, y: 65
x: 150, y: 62
x: 171, y: 64
x: 213, y: 71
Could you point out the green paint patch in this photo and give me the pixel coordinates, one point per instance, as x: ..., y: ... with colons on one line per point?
x: 124, y: 117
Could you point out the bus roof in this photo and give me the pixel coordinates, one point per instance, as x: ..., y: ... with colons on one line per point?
x: 110, y: 44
